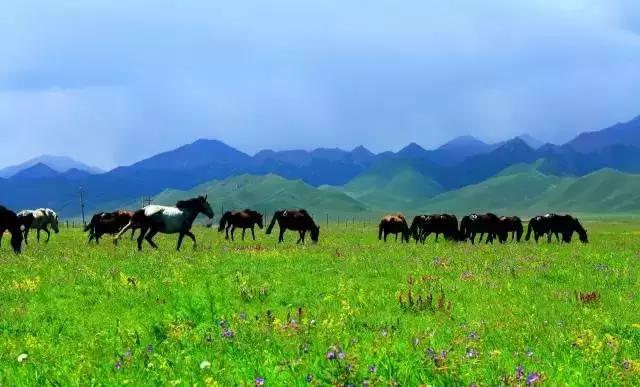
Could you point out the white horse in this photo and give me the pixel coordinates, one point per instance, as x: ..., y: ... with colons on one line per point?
x: 39, y: 219
x: 168, y: 220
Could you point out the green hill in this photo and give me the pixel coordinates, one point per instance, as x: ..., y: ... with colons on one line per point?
x: 391, y: 184
x: 524, y: 189
x: 266, y: 194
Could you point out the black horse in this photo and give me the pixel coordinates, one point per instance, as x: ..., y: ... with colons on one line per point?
x: 474, y: 224
x: 243, y: 219
x: 424, y: 225
x: 510, y: 224
x: 296, y: 220
x: 554, y: 224
x: 168, y: 220
x: 9, y: 221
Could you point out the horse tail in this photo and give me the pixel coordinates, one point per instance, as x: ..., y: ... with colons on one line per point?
x: 275, y: 217
x: 414, y: 227
x: 529, y: 229
x: 380, y: 229
x: 124, y: 229
x: 223, y: 221
x: 91, y: 223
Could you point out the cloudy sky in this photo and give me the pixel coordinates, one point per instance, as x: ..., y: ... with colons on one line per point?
x: 110, y: 82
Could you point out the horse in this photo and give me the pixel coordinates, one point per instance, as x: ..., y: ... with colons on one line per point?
x: 243, y: 219
x: 424, y: 225
x: 39, y: 219
x: 473, y: 224
x: 296, y: 220
x: 394, y: 224
x: 550, y: 224
x: 510, y: 224
x: 108, y: 223
x: 539, y: 226
x: 153, y: 219
x: 9, y: 221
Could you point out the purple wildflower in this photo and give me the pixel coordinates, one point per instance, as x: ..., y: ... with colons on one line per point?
x: 259, y: 382
x: 626, y: 365
x: 331, y: 355
x: 227, y: 333
x: 341, y: 355
x: 373, y: 369
x: 223, y: 324
x: 149, y: 348
x: 118, y: 365
x: 431, y: 353
x: 519, y: 372
x: 472, y: 353
x: 533, y: 378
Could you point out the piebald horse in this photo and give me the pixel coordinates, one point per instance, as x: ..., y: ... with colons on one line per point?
x: 168, y: 220
x: 39, y: 219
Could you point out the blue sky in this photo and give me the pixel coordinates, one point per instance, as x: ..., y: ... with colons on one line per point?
x: 111, y: 82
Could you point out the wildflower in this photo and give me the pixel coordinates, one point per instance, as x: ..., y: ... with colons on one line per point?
x: 331, y: 355
x: 472, y: 336
x: 626, y: 365
x: 373, y: 369
x: 473, y: 384
x: 384, y: 333
x: 223, y: 324
x: 341, y: 355
x: 348, y: 368
x: 519, y: 372
x: 431, y: 353
x: 205, y: 365
x: 149, y: 348
x: 118, y: 365
x: 533, y: 378
x: 472, y: 353
x: 259, y: 382
x: 22, y: 357
x: 309, y: 378
x: 529, y: 353
x: 415, y: 342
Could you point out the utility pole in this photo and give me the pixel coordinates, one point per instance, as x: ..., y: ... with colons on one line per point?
x: 146, y: 201
x: 82, y: 205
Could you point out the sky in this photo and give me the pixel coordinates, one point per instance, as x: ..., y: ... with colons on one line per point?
x: 110, y: 82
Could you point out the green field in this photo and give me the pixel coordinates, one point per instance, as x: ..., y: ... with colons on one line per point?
x: 230, y: 313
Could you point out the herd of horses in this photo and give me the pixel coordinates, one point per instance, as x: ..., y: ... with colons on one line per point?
x: 470, y: 226
x: 179, y: 219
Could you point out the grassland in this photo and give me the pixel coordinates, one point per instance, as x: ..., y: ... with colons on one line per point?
x: 336, y: 313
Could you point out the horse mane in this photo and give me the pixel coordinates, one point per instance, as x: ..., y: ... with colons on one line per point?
x: 188, y: 203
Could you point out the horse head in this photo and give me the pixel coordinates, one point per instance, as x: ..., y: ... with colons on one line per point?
x: 53, y: 220
x: 259, y: 218
x: 315, y: 234
x: 205, y: 207
x: 582, y: 233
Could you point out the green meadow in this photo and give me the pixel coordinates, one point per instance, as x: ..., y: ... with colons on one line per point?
x: 350, y: 310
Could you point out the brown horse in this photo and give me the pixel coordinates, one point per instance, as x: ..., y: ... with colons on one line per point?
x: 394, y: 224
x: 424, y: 225
x: 243, y: 219
x: 474, y: 224
x: 510, y: 224
x: 9, y: 221
x: 108, y: 223
x: 297, y: 220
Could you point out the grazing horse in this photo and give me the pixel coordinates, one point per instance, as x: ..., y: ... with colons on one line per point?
x: 473, y: 224
x: 541, y: 225
x: 243, y: 219
x: 424, y: 225
x: 108, y: 223
x: 550, y: 224
x: 510, y: 224
x: 394, y: 224
x: 168, y: 220
x: 296, y: 220
x: 9, y: 221
x: 39, y: 219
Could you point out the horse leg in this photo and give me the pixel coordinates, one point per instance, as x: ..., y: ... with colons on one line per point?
x: 1, y: 234
x: 281, y: 236
x: 150, y: 236
x: 193, y: 237
x: 180, y: 237
x: 299, y: 238
x: 38, y: 235
x: 385, y: 235
x: 26, y: 236
x: 243, y: 230
x: 143, y: 231
x: 133, y: 231
x: 437, y: 237
x: 253, y: 233
x: 473, y: 238
x: 557, y: 237
x: 233, y: 230
x: 46, y: 229
x: 396, y: 237
x: 226, y: 231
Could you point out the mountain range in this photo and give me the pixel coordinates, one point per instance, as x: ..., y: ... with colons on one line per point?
x: 454, y: 175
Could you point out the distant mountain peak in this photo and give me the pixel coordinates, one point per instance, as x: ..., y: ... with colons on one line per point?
x: 57, y: 163
x: 466, y: 140
x: 361, y: 149
x: 530, y: 140
x: 37, y: 171
x: 412, y: 150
